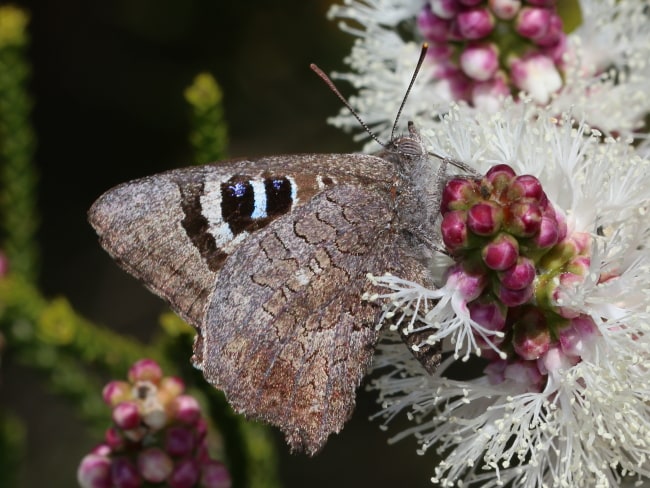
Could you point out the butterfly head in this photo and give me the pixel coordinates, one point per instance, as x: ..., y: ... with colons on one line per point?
x: 409, y: 146
x: 406, y: 151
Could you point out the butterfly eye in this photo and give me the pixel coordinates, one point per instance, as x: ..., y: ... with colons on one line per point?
x: 409, y: 147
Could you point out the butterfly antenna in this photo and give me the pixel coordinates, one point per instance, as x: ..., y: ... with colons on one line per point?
x: 423, y: 53
x: 336, y: 92
x: 332, y: 87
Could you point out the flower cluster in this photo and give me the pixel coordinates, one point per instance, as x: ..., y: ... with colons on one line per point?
x: 514, y: 258
x: 483, y: 51
x: 465, y: 37
x: 158, y: 437
x: 546, y: 287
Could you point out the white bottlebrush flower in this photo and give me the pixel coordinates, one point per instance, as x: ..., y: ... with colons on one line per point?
x: 600, y: 70
x: 547, y: 289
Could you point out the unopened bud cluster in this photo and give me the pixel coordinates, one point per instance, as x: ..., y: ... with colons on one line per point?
x: 158, y: 437
x: 514, y: 263
x: 485, y: 49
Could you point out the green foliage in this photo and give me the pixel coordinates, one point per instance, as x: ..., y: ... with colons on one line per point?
x: 571, y: 15
x: 12, y: 447
x: 74, y: 356
x: 209, y: 137
x: 17, y: 174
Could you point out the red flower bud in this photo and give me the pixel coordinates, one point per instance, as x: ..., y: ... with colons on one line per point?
x: 454, y: 230
x: 145, y: 370
x: 501, y: 252
x: 484, y: 218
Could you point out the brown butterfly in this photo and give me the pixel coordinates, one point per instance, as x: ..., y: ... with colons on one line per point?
x: 268, y: 259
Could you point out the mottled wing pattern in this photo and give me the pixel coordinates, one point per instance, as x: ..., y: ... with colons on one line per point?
x: 288, y: 338
x: 158, y: 228
x: 140, y: 224
x: 282, y: 327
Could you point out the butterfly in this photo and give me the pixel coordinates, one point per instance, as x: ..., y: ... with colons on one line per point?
x: 268, y: 259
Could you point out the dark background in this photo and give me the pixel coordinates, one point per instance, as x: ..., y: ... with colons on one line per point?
x: 108, y: 80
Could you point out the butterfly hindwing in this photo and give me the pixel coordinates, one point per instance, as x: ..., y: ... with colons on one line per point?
x: 296, y: 346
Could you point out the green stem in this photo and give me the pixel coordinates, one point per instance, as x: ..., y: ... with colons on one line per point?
x: 17, y: 142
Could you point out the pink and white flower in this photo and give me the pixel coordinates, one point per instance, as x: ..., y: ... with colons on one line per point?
x: 545, y: 292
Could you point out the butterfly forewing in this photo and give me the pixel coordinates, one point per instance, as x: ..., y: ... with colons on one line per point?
x: 140, y: 224
x: 169, y: 231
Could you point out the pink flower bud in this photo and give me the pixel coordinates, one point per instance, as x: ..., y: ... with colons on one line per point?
x: 475, y: 23
x: 537, y: 75
x: 468, y: 285
x: 186, y: 409
x: 126, y: 415
x: 101, y: 450
x: 490, y: 314
x: 524, y: 219
x: 480, y: 62
x: 519, y: 276
x: 499, y: 177
x: 505, y: 9
x: 445, y: 9
x: 115, y: 392
x: 441, y: 55
x: 555, y: 360
x: 171, y: 386
x: 185, y: 474
x: 501, y: 252
x: 531, y: 337
x: 553, y: 32
x: 581, y: 242
x: 145, y: 370
x: 179, y: 441
x: 533, y: 22
x: 124, y: 474
x: 526, y: 186
x: 432, y: 27
x: 215, y: 475
x: 548, y: 233
x: 556, y: 51
x: 114, y: 439
x: 524, y: 373
x: 457, y: 194
x: 154, y: 465
x: 94, y: 472
x: 484, y: 218
x: 454, y: 83
x: 454, y: 230
x: 576, y: 338
x: 488, y: 95
x: 513, y: 298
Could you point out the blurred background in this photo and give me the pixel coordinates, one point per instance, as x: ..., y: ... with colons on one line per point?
x: 107, y: 85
